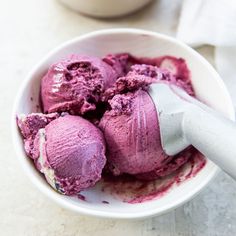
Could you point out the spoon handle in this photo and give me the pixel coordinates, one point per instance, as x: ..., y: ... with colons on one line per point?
x: 213, y: 135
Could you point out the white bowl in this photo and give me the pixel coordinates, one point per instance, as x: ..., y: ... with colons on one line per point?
x: 206, y: 82
x: 105, y: 8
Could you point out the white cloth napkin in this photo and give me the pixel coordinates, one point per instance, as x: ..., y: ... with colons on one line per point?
x: 212, y: 22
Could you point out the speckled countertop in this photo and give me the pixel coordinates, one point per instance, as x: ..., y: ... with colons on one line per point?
x: 29, y: 29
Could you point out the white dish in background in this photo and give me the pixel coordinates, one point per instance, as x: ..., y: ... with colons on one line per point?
x: 208, y: 87
x: 105, y: 8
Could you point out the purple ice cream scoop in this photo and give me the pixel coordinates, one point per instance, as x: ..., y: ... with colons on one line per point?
x: 70, y: 152
x: 131, y: 126
x: 76, y: 83
x: 132, y: 134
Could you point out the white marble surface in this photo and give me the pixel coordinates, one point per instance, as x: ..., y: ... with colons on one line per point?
x: 29, y: 29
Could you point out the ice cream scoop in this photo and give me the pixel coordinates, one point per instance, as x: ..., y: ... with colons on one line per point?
x: 186, y: 121
x: 131, y: 126
x: 70, y: 152
x: 132, y: 134
x: 131, y: 131
x: 76, y: 83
